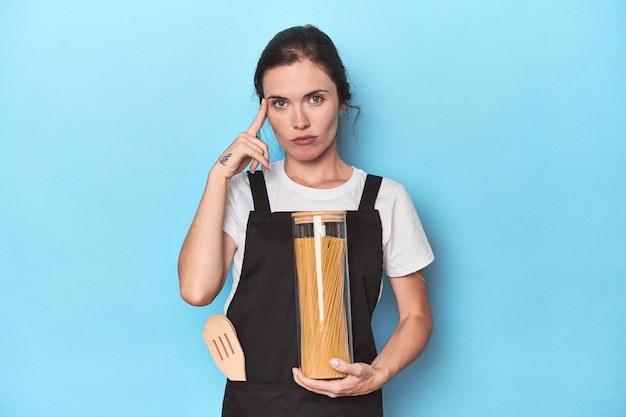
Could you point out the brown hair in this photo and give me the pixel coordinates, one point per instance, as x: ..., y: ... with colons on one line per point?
x: 297, y: 44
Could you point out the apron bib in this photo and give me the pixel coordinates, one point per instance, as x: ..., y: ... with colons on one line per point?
x: 263, y: 310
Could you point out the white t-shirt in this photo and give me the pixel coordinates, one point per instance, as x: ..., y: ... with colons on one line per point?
x: 405, y: 247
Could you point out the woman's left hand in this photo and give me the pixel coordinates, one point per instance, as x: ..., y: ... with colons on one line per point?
x: 404, y: 345
x: 361, y: 379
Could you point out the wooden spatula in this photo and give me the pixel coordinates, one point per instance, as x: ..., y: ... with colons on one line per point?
x: 221, y: 339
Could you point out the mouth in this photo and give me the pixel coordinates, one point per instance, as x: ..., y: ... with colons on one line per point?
x: 304, y: 140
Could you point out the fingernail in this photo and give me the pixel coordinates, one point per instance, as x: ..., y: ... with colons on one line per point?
x: 334, y: 362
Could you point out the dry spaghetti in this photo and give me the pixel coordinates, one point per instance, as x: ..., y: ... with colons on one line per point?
x: 320, y: 268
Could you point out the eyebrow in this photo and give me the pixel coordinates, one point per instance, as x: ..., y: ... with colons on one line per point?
x: 312, y: 93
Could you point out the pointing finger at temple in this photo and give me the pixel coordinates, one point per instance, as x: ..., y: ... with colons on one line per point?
x: 260, y: 118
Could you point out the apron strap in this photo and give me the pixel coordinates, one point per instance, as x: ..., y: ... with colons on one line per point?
x: 370, y: 192
x: 259, y: 192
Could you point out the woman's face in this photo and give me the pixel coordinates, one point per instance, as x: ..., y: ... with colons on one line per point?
x: 303, y: 109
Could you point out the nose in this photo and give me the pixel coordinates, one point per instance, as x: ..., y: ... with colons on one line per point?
x: 299, y: 121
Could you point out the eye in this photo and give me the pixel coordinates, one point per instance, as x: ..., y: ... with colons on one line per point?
x: 316, y: 99
x: 279, y: 104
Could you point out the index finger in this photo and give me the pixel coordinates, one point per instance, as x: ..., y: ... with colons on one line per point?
x: 260, y: 118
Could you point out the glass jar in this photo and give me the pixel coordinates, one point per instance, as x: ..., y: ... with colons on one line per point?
x: 323, y: 291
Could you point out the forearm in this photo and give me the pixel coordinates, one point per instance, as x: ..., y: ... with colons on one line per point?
x: 202, y: 267
x: 415, y: 324
x: 405, y: 344
x: 207, y: 251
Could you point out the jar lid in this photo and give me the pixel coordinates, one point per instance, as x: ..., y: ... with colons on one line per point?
x: 327, y: 216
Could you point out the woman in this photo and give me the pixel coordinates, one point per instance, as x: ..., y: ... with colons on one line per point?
x: 244, y: 218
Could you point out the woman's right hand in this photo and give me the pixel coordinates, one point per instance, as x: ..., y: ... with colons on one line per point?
x: 245, y: 149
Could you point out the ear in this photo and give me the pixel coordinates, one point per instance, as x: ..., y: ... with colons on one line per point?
x: 343, y: 107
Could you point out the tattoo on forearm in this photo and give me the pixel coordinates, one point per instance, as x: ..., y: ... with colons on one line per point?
x: 225, y: 158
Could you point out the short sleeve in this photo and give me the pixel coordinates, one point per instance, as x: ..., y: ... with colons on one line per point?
x: 231, y: 225
x: 407, y: 249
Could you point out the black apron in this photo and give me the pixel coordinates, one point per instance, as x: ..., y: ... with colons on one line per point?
x: 263, y: 311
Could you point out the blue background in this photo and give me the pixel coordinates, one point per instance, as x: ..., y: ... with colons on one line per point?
x: 505, y: 121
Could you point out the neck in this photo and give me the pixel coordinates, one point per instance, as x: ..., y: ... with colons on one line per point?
x: 328, y: 172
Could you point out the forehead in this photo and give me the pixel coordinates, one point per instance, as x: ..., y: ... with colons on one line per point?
x: 295, y: 80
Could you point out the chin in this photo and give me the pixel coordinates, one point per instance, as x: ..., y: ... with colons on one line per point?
x: 304, y: 157
x: 311, y: 154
